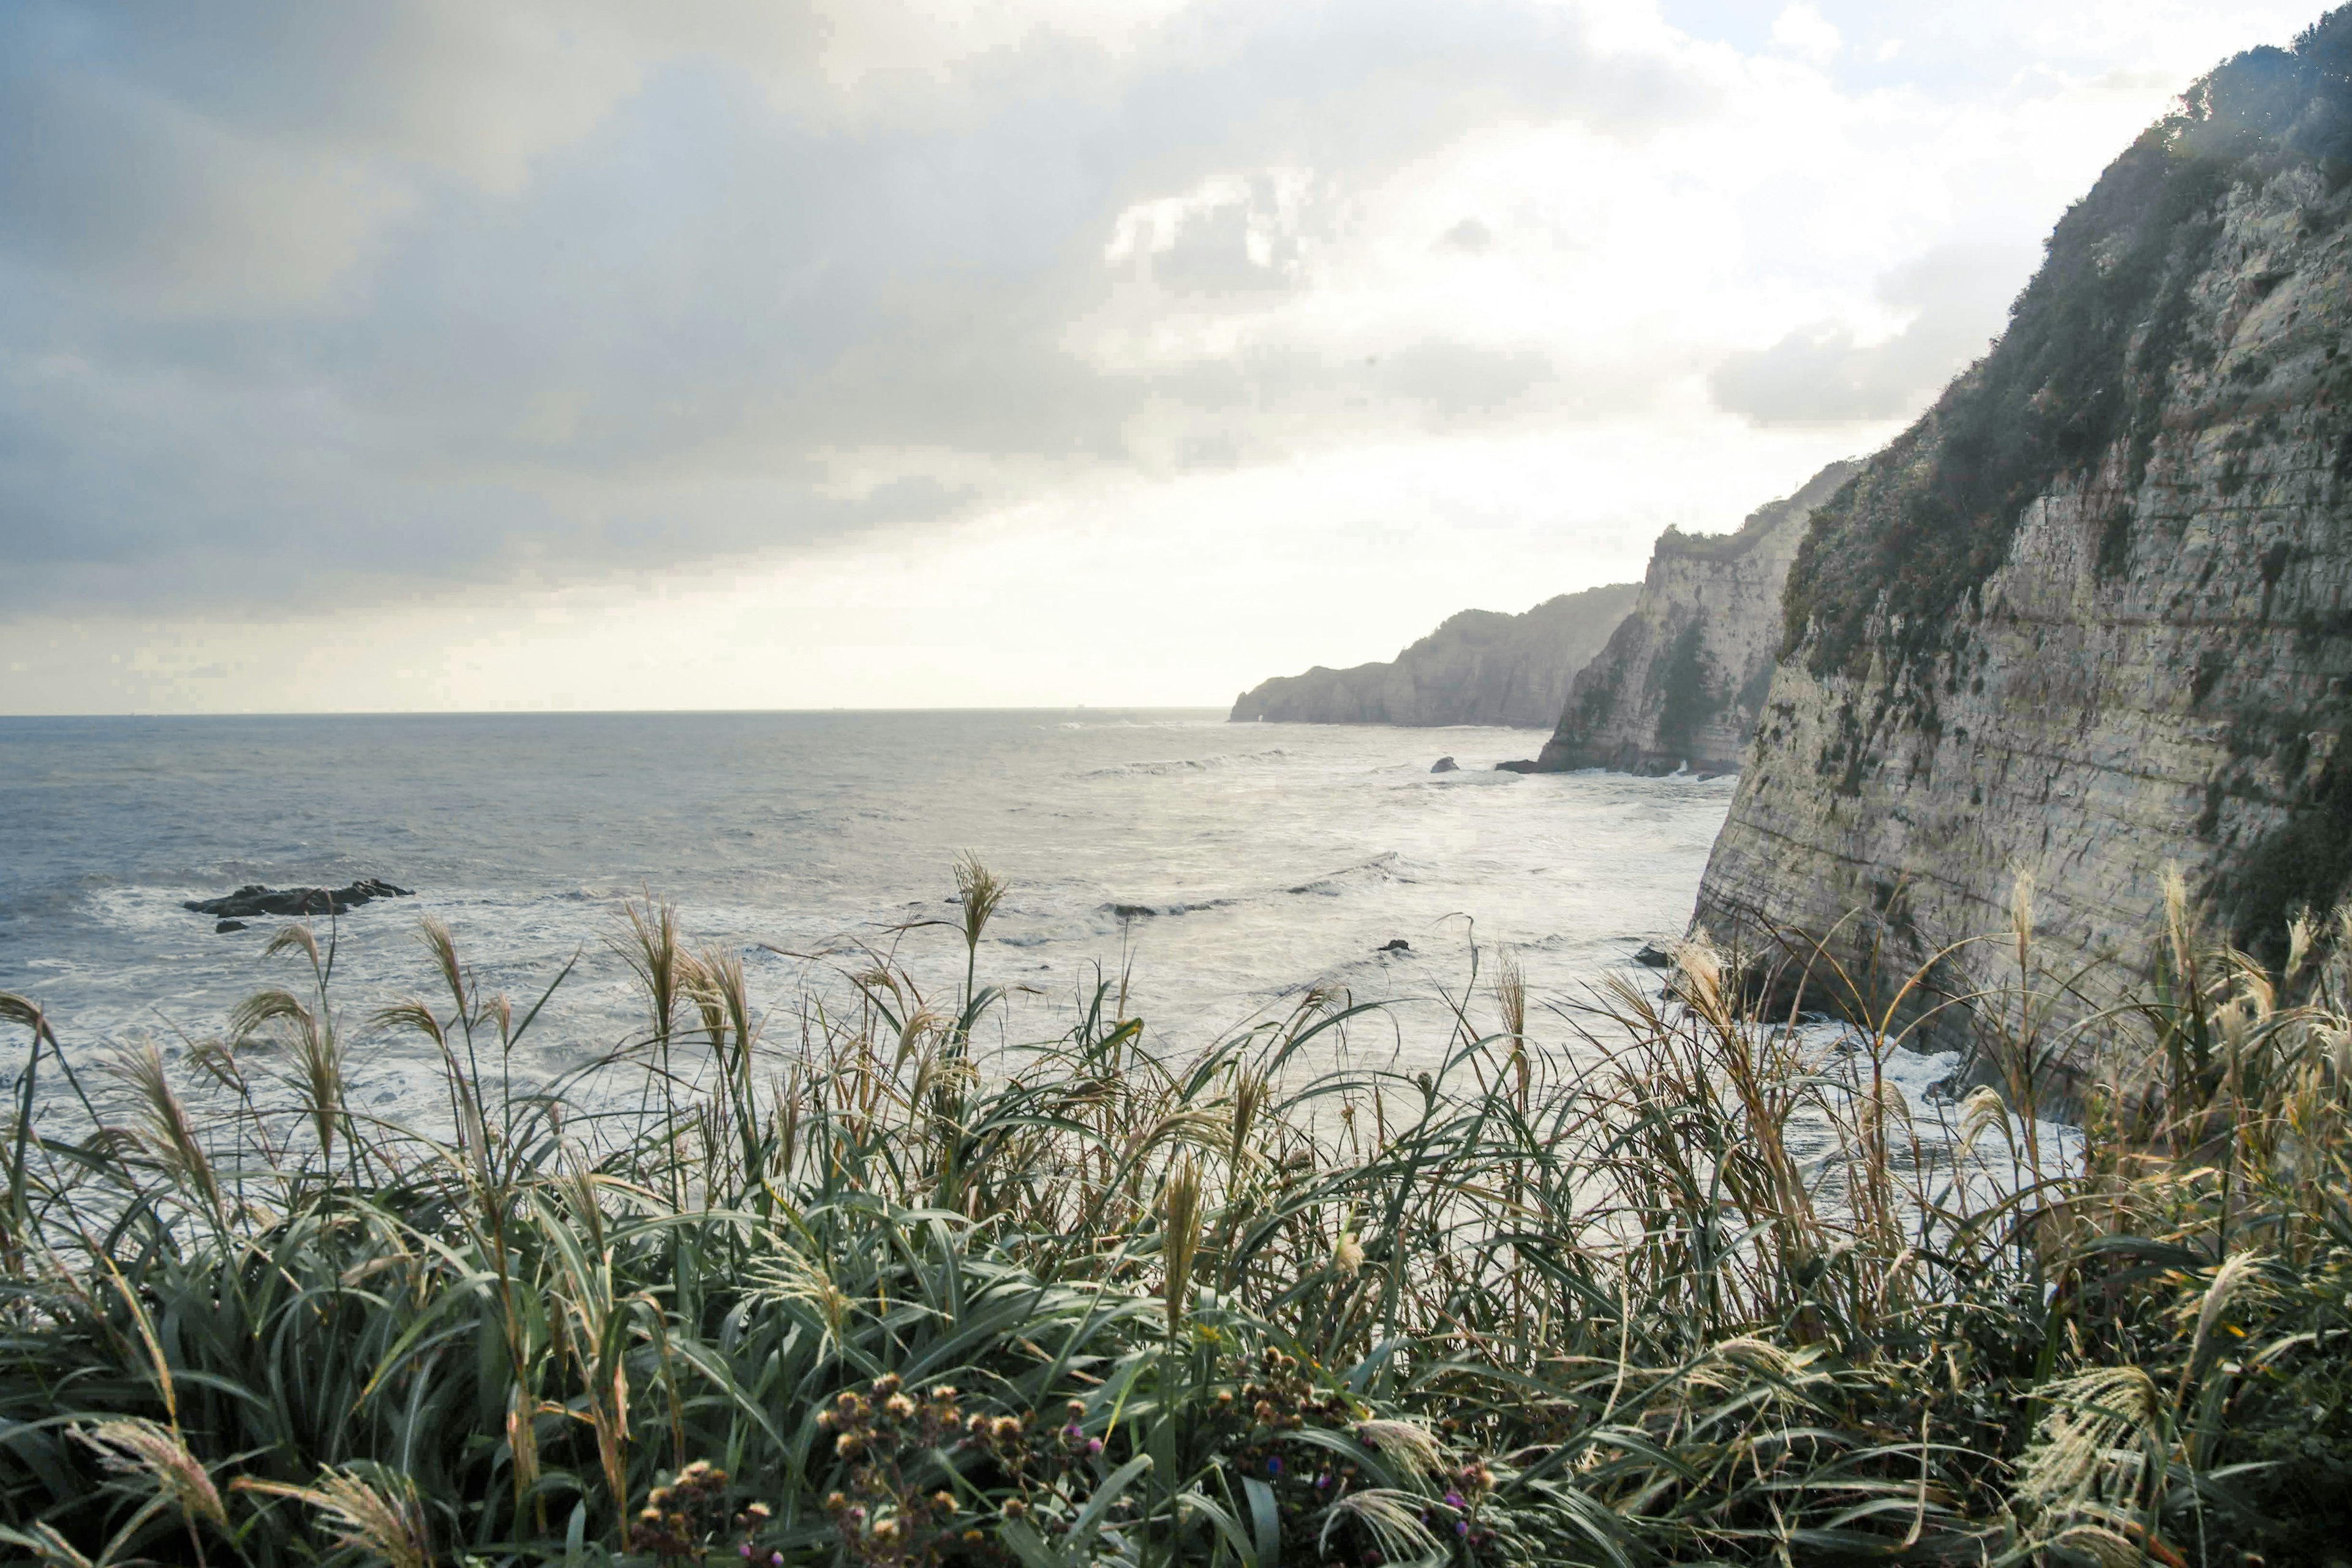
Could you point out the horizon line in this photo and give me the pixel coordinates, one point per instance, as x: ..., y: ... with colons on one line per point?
x: 619, y: 713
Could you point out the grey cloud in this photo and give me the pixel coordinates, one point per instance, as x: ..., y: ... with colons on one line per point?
x: 164, y: 209
x: 1819, y: 375
x: 1212, y: 253
x: 1469, y: 236
x: 475, y: 92
x: 1459, y: 380
x: 1274, y: 400
x: 1209, y: 452
x: 269, y: 331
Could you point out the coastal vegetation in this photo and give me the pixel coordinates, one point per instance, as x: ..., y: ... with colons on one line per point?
x: 2086, y: 612
x: 2080, y: 379
x: 855, y: 1279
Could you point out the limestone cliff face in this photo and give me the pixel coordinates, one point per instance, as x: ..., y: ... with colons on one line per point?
x: 1479, y: 667
x: 2093, y: 614
x: 1683, y: 678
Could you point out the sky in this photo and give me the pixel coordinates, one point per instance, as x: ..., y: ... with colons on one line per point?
x: 813, y: 353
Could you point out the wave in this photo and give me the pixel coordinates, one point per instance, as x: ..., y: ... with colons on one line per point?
x: 1168, y: 767
x: 1204, y: 718
x: 1385, y: 867
x: 1129, y: 911
x: 1473, y: 778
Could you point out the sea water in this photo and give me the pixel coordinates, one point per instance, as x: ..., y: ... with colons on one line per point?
x: 1217, y: 871
x: 1219, y: 868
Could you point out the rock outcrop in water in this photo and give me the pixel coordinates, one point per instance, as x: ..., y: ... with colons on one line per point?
x: 253, y: 899
x: 1683, y: 677
x: 2092, y: 616
x: 1480, y: 667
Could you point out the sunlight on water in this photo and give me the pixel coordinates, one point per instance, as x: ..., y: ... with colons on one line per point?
x: 1223, y: 869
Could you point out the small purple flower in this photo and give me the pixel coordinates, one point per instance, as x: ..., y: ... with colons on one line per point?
x: 1094, y: 1447
x: 1273, y: 1466
x: 1454, y: 1499
x: 1461, y: 1527
x: 1323, y: 1480
x: 746, y: 1548
x: 1074, y: 1431
x: 775, y: 1559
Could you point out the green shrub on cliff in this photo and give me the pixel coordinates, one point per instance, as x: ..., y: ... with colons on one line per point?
x: 2086, y: 364
x: 868, y: 1293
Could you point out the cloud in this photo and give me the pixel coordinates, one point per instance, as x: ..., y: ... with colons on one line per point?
x: 316, y: 314
x: 167, y: 211
x: 1956, y: 298
x: 292, y: 296
x: 1231, y: 237
x: 1461, y: 380
x: 1801, y: 30
x: 1469, y: 236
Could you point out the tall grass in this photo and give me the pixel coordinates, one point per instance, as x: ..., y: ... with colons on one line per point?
x: 1678, y: 1283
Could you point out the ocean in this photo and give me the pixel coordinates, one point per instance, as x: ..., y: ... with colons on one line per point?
x: 1216, y: 871
x: 1219, y: 868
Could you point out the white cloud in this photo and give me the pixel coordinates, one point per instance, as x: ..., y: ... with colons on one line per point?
x: 1801, y: 30
x: 1228, y: 233
x: 881, y: 352
x: 1142, y: 590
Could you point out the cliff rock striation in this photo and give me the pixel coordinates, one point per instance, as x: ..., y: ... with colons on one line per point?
x: 2092, y: 614
x: 1683, y: 678
x: 1480, y: 667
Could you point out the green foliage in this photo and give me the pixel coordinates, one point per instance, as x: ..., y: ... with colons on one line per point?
x: 1693, y: 693
x: 2305, y: 863
x: 2082, y: 371
x: 1693, y: 1287
x: 1594, y: 698
x: 1755, y: 690
x: 1674, y: 542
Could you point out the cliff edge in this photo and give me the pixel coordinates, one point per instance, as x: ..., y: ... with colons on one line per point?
x: 1683, y: 678
x: 2092, y: 614
x: 1480, y: 667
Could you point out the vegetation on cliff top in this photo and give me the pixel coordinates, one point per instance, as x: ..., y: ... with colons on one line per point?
x: 868, y: 1294
x: 2085, y: 365
x: 1660, y: 656
x: 1759, y: 523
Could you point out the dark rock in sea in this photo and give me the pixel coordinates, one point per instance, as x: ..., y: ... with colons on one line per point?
x: 1396, y: 945
x: 226, y: 926
x: 1653, y: 956
x: 253, y: 898
x: 1446, y: 765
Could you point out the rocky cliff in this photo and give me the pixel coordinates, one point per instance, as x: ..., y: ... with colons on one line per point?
x: 1479, y: 667
x: 2092, y: 616
x: 1683, y: 677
